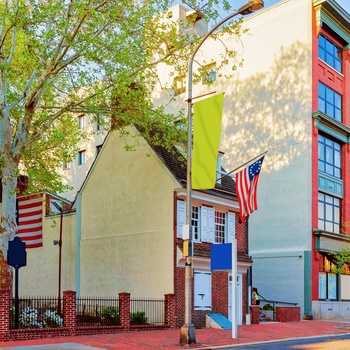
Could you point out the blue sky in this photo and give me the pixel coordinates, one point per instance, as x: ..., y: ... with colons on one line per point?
x: 345, y: 4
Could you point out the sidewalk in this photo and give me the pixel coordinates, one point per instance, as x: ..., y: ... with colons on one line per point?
x: 169, y: 339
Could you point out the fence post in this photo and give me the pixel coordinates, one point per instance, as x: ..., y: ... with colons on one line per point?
x: 70, y: 310
x: 5, y: 300
x: 124, y: 309
x: 170, y: 310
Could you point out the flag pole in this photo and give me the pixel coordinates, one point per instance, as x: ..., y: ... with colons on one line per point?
x: 243, y: 165
x: 187, y: 334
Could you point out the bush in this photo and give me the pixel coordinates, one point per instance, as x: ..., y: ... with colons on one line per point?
x: 138, y: 317
x: 110, y: 315
x: 34, y: 318
x: 268, y: 307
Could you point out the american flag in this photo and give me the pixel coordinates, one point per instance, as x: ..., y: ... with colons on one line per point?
x: 246, y: 188
x: 29, y: 220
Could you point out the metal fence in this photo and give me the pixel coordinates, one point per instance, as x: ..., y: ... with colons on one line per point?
x: 35, y: 312
x: 147, y: 311
x: 42, y: 312
x: 97, y: 311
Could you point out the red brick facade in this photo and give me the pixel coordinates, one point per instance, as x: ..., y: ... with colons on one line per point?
x: 219, y: 280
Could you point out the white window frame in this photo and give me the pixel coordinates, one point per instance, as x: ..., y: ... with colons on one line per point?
x: 82, y: 157
x: 206, y: 222
x: 82, y: 121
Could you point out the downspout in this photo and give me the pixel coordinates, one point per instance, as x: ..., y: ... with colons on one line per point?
x: 77, y: 243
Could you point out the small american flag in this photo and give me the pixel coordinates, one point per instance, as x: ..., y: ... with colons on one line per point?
x: 246, y: 188
x: 29, y: 220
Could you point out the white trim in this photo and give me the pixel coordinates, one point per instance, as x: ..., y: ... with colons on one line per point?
x: 209, y: 198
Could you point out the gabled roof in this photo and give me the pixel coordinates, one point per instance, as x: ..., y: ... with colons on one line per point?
x: 176, y: 164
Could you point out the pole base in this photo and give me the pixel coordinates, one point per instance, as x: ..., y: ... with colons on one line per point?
x: 187, y: 335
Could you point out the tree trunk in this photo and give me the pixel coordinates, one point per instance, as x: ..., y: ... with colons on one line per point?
x: 8, y: 219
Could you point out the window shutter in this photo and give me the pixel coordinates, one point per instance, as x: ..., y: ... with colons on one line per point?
x: 204, y: 223
x: 211, y: 225
x: 202, y: 290
x: 231, y: 227
x: 181, y: 217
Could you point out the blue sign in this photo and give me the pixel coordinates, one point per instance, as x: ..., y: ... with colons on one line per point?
x: 221, y: 257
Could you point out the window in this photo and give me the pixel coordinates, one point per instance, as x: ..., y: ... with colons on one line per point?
x: 328, y: 213
x: 208, y: 224
x: 195, y: 224
x: 202, y: 290
x: 82, y: 157
x: 327, y: 281
x: 330, y: 53
x: 329, y: 156
x: 100, y: 123
x: 98, y: 149
x: 66, y: 165
x: 220, y: 225
x: 329, y: 102
x: 82, y: 121
x: 180, y: 85
x: 209, y: 73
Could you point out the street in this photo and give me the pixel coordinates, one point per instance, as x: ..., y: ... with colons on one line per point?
x: 339, y: 342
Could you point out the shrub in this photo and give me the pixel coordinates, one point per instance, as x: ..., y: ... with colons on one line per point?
x: 110, y: 315
x: 31, y: 318
x: 138, y: 317
x: 268, y: 307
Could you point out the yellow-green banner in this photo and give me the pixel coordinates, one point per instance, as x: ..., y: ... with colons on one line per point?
x: 206, y: 140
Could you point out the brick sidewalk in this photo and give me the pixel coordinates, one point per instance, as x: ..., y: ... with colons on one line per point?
x: 169, y: 339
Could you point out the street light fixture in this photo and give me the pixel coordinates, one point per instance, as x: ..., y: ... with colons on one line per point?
x: 187, y: 335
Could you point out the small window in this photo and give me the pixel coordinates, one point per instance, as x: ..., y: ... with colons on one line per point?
x: 330, y: 53
x: 98, y: 149
x: 195, y: 224
x: 100, y: 123
x: 67, y: 165
x: 82, y: 121
x: 220, y: 225
x: 329, y: 102
x: 180, y: 85
x: 82, y: 157
x: 209, y: 73
x: 328, y: 213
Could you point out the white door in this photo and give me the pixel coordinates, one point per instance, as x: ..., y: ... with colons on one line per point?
x: 238, y: 298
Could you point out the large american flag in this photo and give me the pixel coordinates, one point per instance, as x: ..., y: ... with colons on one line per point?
x: 29, y: 220
x: 246, y: 188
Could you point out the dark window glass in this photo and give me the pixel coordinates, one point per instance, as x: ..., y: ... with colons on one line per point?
x: 329, y: 102
x: 330, y: 53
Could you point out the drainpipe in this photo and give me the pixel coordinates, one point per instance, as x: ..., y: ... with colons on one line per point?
x: 77, y: 243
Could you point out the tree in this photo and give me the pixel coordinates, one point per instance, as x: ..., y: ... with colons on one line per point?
x: 63, y: 58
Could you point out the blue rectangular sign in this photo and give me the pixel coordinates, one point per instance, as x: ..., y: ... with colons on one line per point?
x: 221, y: 257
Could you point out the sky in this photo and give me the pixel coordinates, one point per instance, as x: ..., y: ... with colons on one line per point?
x: 345, y: 4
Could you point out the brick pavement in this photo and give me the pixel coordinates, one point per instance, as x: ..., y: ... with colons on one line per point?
x: 169, y: 339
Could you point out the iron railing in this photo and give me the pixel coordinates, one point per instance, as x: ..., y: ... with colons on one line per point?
x: 41, y: 312
x: 35, y: 312
x: 97, y: 311
x: 147, y: 311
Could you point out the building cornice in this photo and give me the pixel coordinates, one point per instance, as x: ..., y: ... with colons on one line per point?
x: 331, y: 126
x: 330, y: 13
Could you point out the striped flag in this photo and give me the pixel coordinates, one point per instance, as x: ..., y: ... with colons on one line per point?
x: 29, y: 220
x: 246, y: 188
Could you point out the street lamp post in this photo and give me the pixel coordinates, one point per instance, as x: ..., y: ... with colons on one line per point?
x: 59, y: 243
x: 187, y: 334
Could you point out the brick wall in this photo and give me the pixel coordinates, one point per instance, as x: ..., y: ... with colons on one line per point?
x: 287, y: 313
x: 69, y: 316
